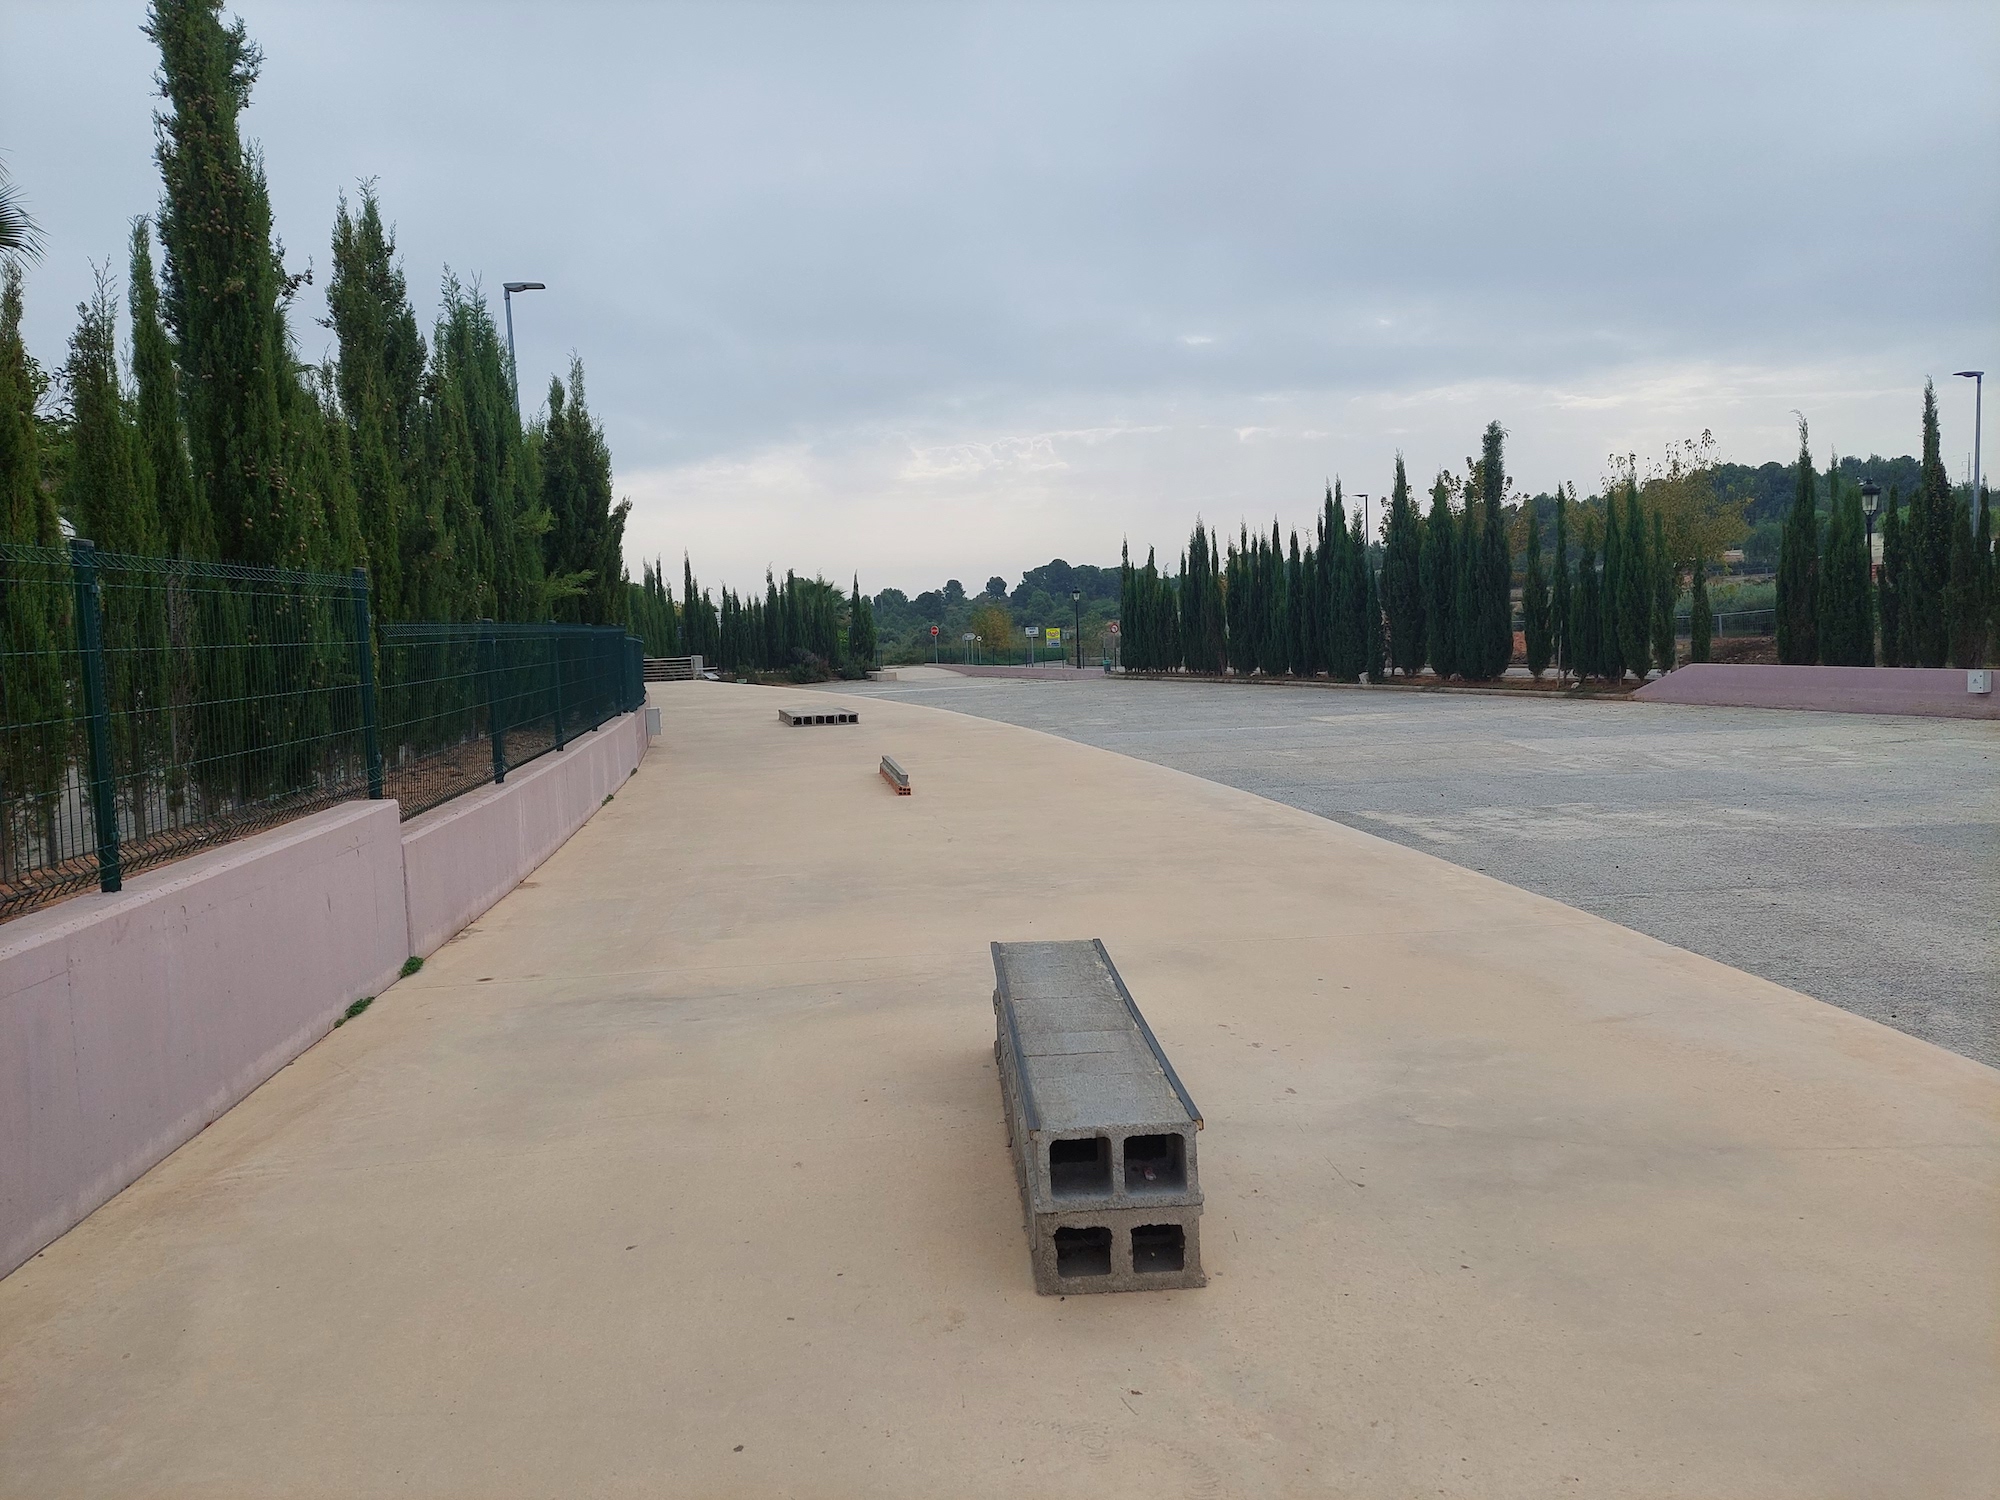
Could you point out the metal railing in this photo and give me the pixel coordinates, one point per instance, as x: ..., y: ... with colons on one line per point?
x: 152, y: 707
x: 1733, y: 622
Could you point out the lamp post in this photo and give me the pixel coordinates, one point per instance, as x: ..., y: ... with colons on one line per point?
x: 507, y: 291
x: 1363, y: 498
x: 1076, y: 614
x: 1978, y: 379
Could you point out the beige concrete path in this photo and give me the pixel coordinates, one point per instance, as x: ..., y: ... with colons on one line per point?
x: 683, y: 1174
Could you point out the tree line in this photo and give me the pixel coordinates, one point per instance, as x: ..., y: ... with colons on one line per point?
x: 403, y: 456
x: 1441, y: 598
x: 1932, y: 601
x: 1602, y: 603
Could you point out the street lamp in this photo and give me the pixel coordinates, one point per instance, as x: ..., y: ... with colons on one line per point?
x: 507, y: 291
x: 1076, y: 612
x: 1363, y: 498
x: 1978, y: 379
x: 1871, y: 496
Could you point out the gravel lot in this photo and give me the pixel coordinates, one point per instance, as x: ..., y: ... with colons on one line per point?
x: 1855, y: 857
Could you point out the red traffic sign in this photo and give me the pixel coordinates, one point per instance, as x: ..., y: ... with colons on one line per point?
x: 933, y: 630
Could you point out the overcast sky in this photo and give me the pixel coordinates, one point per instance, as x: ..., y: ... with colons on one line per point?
x: 946, y: 290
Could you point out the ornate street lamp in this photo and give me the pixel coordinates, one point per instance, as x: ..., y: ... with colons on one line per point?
x: 1076, y: 614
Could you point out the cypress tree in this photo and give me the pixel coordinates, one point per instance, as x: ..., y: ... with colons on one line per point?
x: 1402, y: 578
x: 35, y: 619
x: 1465, y: 603
x: 1559, y: 601
x: 1377, y: 662
x: 101, y: 487
x: 1494, y: 584
x: 1297, y: 614
x: 1701, y: 625
x: 1347, y: 649
x: 186, y: 527
x: 223, y: 285
x: 1535, y: 603
x: 1635, y: 587
x: 860, y: 628
x: 1187, y: 602
x: 1236, y: 604
x: 1988, y: 573
x: 1215, y: 619
x: 1965, y: 593
x: 1889, y: 584
x: 1132, y: 630
x: 1331, y: 536
x: 382, y: 362
x: 1927, y: 551
x: 1366, y: 604
x: 1586, y: 628
x: 1440, y: 578
x: 1610, y: 658
x: 1666, y: 593
x: 1275, y: 656
x: 1846, y: 628
x: 1798, y: 568
x: 585, y: 542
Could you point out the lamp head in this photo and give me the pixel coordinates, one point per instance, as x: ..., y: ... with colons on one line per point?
x: 524, y: 286
x: 1075, y: 594
x: 1968, y: 374
x: 1871, y: 495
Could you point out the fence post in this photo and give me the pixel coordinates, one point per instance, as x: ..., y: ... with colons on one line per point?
x: 489, y: 654
x: 364, y: 668
x: 603, y: 688
x: 97, y: 712
x: 555, y: 657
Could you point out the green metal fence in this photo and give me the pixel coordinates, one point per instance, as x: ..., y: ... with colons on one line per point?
x: 151, y: 707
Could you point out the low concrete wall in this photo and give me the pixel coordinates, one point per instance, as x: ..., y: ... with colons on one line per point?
x: 466, y: 855
x: 128, y: 1022
x: 1931, y: 692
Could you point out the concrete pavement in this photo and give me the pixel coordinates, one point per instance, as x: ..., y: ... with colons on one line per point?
x: 1852, y: 856
x: 683, y: 1172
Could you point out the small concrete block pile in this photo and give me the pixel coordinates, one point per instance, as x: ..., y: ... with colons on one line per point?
x: 798, y: 717
x: 1103, y: 1133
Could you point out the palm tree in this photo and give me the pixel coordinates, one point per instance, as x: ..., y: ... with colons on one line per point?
x: 20, y: 235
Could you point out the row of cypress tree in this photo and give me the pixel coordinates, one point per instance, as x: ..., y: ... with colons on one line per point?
x: 1933, y: 601
x: 407, y: 459
x: 1441, y: 598
x: 801, y: 626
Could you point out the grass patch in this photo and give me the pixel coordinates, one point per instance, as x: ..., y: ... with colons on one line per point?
x: 354, y: 1010
x: 607, y: 799
x: 411, y: 965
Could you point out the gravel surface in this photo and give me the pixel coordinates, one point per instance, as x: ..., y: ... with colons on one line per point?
x: 1855, y: 857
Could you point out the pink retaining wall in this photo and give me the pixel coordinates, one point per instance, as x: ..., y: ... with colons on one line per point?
x: 128, y: 1022
x: 466, y: 855
x: 1932, y: 692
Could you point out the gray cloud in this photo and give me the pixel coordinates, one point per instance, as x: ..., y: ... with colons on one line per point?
x: 928, y: 290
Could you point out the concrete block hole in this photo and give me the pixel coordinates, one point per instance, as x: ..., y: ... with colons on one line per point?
x: 1080, y: 1169
x: 1159, y: 1247
x: 1155, y: 1164
x: 1084, y: 1252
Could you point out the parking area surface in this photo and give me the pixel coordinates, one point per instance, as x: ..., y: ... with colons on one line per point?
x: 1855, y: 857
